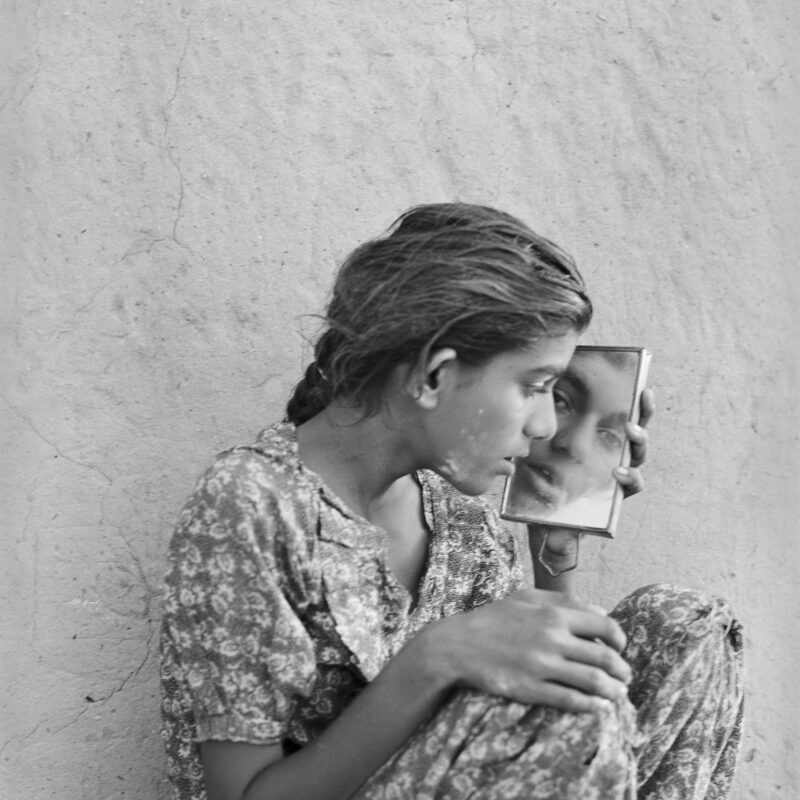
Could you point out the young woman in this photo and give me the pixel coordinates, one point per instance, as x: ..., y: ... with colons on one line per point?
x: 345, y: 617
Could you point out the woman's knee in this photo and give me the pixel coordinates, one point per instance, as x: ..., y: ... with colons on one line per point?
x: 668, y: 616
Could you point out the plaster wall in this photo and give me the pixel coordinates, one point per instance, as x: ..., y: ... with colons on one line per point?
x: 179, y: 181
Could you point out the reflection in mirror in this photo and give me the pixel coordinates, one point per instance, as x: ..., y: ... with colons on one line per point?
x: 568, y: 480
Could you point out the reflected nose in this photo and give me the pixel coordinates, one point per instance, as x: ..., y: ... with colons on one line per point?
x: 541, y: 424
x: 574, y: 441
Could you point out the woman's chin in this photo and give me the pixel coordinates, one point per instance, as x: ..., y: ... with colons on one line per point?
x: 468, y: 483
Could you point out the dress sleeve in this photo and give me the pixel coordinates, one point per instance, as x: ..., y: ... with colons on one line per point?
x: 234, y: 601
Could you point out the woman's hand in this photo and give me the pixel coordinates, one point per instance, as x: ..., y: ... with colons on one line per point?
x: 630, y: 478
x: 536, y: 647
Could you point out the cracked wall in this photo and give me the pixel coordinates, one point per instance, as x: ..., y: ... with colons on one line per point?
x: 179, y: 182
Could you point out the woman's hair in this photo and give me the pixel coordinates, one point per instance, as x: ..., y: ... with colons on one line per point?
x: 446, y: 275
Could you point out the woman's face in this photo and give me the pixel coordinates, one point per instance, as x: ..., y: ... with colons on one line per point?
x: 488, y: 415
x: 592, y: 402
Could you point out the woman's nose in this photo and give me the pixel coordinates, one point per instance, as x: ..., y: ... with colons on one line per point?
x: 541, y: 424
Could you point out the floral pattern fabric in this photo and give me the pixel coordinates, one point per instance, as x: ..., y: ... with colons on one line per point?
x: 674, y: 738
x: 280, y: 607
x: 279, y: 604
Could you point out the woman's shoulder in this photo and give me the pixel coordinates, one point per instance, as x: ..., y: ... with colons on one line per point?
x: 268, y: 464
x: 257, y: 491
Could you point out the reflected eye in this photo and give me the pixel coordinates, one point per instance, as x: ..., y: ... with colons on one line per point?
x: 561, y: 401
x: 610, y: 439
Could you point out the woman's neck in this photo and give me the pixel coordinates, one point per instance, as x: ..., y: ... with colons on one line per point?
x: 359, y: 458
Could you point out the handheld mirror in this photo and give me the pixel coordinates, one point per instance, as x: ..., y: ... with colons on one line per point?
x: 567, y: 481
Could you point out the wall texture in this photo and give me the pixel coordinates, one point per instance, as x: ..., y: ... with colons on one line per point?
x: 179, y: 181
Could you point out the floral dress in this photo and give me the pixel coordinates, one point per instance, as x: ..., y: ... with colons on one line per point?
x: 280, y: 607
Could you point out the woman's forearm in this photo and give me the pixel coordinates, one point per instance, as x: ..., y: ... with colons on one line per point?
x: 532, y: 647
x: 376, y: 724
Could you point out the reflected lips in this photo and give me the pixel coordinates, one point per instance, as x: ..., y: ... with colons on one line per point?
x: 543, y: 482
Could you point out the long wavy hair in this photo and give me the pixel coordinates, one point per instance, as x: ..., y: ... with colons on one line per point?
x: 444, y: 275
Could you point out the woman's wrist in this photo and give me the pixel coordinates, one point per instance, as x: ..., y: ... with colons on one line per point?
x: 433, y: 653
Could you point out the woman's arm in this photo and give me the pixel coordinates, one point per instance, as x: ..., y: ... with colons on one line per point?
x: 334, y: 765
x: 533, y: 647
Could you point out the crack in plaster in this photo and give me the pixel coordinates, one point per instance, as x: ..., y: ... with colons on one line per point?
x: 178, y: 68
x: 134, y: 673
x: 150, y: 593
x: 23, y: 739
x: 32, y: 84
x: 29, y: 423
x: 768, y: 84
x: 148, y: 249
x: 471, y: 32
x: 34, y: 632
x: 147, y: 612
x: 628, y: 15
x: 36, y: 67
x: 181, y: 196
x: 170, y: 156
x: 271, y: 376
x: 33, y: 625
x: 95, y: 294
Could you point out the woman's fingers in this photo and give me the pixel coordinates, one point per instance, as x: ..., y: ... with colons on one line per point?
x: 566, y: 699
x: 637, y: 435
x: 533, y: 641
x: 591, y: 681
x: 599, y: 656
x: 572, y: 616
x: 592, y: 626
x: 630, y: 479
x: 647, y: 406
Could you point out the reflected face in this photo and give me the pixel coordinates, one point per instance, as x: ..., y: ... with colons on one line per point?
x: 592, y: 402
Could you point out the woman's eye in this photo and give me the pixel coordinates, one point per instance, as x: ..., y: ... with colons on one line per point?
x: 536, y: 388
x: 542, y: 387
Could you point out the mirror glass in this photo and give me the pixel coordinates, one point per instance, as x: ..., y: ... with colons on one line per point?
x: 567, y: 480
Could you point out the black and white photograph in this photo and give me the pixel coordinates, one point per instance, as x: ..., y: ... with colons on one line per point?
x: 399, y: 400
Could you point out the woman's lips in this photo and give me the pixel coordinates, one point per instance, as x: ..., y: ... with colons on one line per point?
x: 508, y: 467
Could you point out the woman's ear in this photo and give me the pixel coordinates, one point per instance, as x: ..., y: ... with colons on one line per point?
x: 428, y: 381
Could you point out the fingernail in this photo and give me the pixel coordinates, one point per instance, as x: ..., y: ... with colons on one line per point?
x: 622, y: 471
x: 636, y: 428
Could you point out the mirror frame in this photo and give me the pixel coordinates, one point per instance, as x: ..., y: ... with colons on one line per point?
x: 609, y: 529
